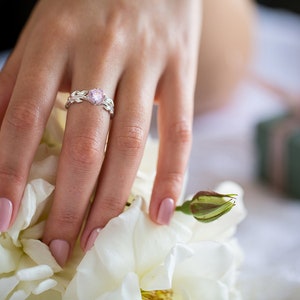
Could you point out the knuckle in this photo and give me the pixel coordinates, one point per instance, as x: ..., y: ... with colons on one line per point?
x: 67, y: 218
x: 115, y: 39
x: 84, y: 150
x: 12, y: 176
x: 113, y: 206
x: 181, y: 133
x: 130, y: 140
x: 62, y: 29
x: 25, y: 117
x: 172, y: 183
x: 173, y: 178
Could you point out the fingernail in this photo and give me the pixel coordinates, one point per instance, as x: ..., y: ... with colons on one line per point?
x: 92, y: 238
x: 6, y: 208
x: 60, y: 250
x: 165, y: 211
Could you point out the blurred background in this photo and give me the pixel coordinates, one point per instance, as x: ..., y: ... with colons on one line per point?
x: 246, y: 129
x: 254, y: 140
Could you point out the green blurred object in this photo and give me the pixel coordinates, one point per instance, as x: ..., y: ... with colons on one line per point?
x: 278, y: 150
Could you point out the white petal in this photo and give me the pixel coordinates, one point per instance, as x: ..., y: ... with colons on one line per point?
x: 7, y: 284
x: 209, y: 273
x: 104, y: 267
x: 19, y: 295
x: 152, y: 243
x: 161, y: 277
x: 34, y: 232
x: 35, y: 193
x: 129, y: 243
x: 42, y: 190
x: 128, y: 290
x: 201, y: 288
x: 44, y: 286
x: 45, y: 165
x: 35, y: 273
x: 210, y: 260
x: 40, y: 253
x: 10, y: 257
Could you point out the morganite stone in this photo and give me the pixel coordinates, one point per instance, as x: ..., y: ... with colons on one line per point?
x: 96, y: 96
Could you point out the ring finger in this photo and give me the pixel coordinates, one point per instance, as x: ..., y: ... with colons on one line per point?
x: 81, y: 157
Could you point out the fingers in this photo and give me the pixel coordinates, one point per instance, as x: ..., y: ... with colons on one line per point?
x: 125, y: 148
x: 23, y: 124
x: 175, y: 115
x: 82, y: 153
x: 79, y: 164
x: 8, y: 77
x: 9, y: 72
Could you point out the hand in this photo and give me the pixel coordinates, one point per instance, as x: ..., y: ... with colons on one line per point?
x: 138, y: 52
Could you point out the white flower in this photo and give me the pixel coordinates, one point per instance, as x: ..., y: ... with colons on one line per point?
x: 131, y: 254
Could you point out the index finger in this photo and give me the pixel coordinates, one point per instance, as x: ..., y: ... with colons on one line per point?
x: 24, y: 122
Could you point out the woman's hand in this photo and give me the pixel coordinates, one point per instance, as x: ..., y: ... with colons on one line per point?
x: 138, y: 52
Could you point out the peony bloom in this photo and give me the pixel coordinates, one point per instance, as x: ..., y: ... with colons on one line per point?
x: 132, y: 258
x: 135, y: 259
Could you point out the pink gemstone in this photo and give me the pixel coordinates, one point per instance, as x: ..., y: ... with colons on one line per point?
x: 95, y: 96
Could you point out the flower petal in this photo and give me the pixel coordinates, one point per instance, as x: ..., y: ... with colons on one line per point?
x: 104, y: 267
x: 10, y: 257
x: 34, y: 273
x: 152, y: 243
x: 161, y: 277
x: 44, y: 286
x: 19, y: 295
x: 128, y: 290
x: 7, y: 285
x: 40, y: 254
x: 36, y: 192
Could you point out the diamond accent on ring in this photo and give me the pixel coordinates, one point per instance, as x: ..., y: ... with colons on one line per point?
x: 96, y: 96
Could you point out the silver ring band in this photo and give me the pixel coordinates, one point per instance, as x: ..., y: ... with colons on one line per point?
x: 95, y: 97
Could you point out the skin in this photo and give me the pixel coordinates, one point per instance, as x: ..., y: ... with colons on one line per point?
x: 139, y: 52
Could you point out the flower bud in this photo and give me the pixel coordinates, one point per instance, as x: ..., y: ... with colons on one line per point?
x: 208, y: 206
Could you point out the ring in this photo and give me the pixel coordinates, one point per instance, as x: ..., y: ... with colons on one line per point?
x: 94, y: 96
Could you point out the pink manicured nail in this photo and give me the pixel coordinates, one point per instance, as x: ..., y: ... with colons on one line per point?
x: 165, y: 211
x: 6, y: 208
x: 60, y: 250
x: 92, y: 238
